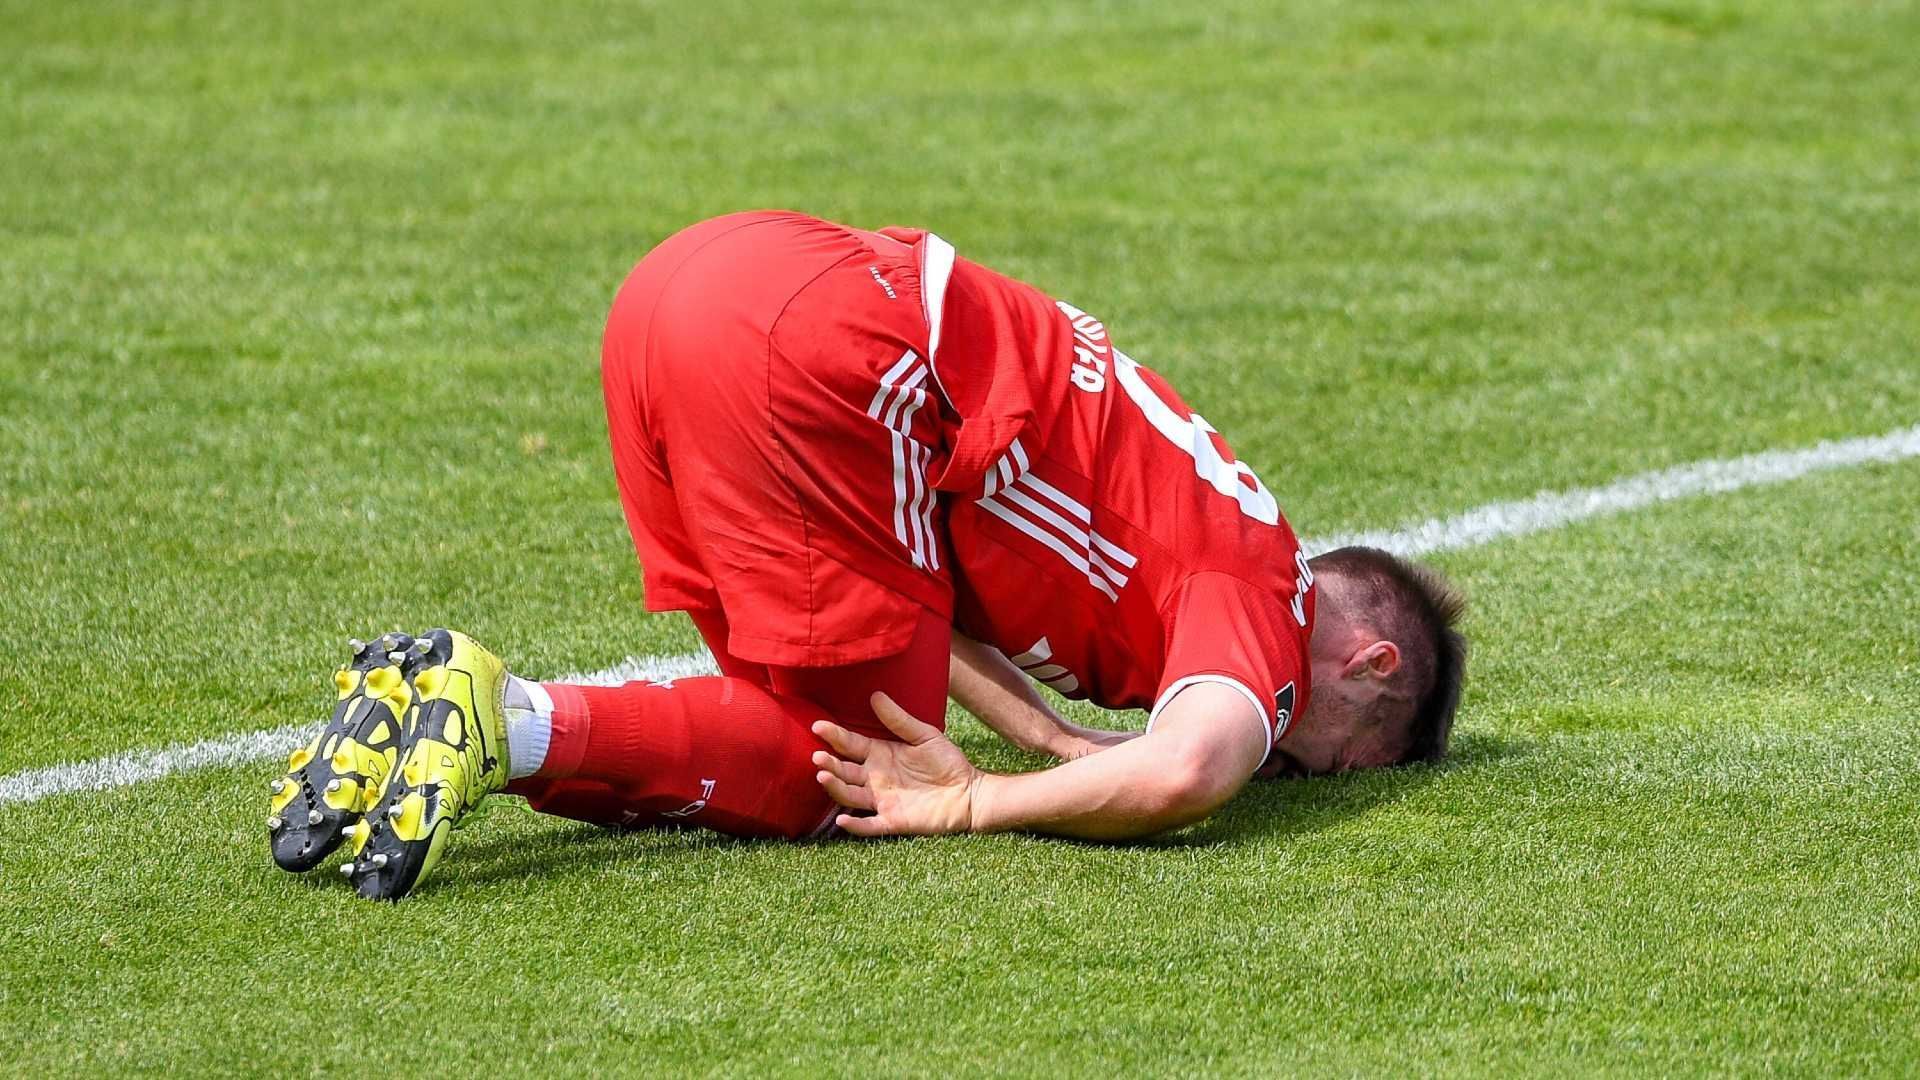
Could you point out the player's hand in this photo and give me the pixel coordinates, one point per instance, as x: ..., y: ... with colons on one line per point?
x: 922, y: 785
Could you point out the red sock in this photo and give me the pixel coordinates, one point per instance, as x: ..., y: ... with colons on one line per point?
x: 718, y: 753
x: 723, y: 753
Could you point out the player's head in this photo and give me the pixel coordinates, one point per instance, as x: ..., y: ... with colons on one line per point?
x: 1387, y: 664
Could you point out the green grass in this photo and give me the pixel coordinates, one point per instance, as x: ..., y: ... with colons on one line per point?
x: 299, y: 314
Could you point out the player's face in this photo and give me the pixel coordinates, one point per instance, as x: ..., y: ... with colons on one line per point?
x: 1332, y: 735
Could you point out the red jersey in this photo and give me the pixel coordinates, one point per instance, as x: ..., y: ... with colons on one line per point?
x: 1103, y: 535
x: 821, y: 433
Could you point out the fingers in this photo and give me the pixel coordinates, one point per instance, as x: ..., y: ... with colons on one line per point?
x: 901, y: 722
x: 853, y: 798
x: 862, y: 826
x: 850, y: 745
x: 845, y: 770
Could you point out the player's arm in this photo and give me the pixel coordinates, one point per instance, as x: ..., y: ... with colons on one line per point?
x: 1203, y: 748
x: 985, y: 683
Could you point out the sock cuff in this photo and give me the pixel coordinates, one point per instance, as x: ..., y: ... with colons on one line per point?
x: 537, y: 697
x: 571, y: 723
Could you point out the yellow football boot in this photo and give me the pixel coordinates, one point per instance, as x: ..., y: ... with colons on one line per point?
x: 333, y: 780
x: 453, y: 753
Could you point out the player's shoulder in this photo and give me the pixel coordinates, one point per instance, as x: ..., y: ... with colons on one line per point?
x: 1259, y: 600
x: 1197, y: 589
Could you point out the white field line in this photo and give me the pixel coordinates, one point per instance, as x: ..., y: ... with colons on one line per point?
x: 1495, y: 521
x: 1552, y: 509
x: 120, y: 770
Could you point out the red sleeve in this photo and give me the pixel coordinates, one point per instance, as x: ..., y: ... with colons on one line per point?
x: 1224, y: 630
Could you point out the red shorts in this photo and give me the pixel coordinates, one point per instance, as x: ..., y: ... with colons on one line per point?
x: 774, y: 425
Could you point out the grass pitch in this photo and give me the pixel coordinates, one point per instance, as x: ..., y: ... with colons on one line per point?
x: 299, y: 311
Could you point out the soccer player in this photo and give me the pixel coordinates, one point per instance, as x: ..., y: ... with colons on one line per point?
x: 875, y: 475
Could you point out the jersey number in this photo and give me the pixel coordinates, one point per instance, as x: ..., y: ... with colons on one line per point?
x: 1191, y: 434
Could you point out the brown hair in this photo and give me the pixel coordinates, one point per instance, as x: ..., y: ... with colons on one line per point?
x: 1415, y: 608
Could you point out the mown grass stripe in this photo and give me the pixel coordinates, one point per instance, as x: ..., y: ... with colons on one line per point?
x: 1494, y: 521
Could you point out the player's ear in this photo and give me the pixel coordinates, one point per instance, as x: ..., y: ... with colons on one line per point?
x: 1378, y: 660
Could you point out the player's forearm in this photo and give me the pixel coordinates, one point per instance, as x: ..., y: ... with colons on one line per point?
x: 1134, y: 790
x: 986, y: 684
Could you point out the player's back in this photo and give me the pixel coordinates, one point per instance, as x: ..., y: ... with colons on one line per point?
x: 1116, y: 549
